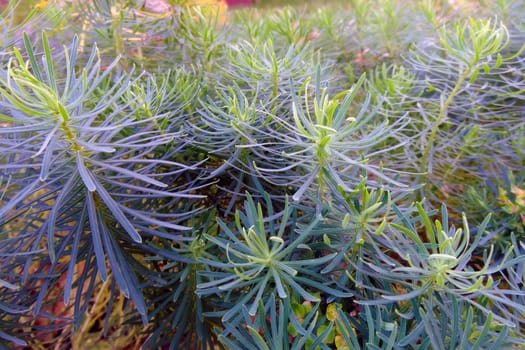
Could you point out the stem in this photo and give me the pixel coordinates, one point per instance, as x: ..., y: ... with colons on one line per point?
x: 117, y: 36
x: 442, y: 118
x: 206, y: 56
x: 275, y: 80
x: 70, y: 136
x: 275, y: 90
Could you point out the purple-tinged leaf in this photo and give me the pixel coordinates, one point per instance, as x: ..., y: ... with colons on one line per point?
x: 47, y: 140
x: 97, y: 148
x: 128, y: 279
x: 46, y: 161
x: 19, y: 197
x: 95, y: 234
x: 117, y: 212
x: 8, y: 285
x: 150, y: 220
x: 51, y: 219
x: 130, y: 173
x: 86, y: 176
x: 408, y: 296
x: 10, y: 338
x: 73, y: 257
x: 114, y: 265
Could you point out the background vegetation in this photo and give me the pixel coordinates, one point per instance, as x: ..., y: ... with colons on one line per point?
x: 345, y: 176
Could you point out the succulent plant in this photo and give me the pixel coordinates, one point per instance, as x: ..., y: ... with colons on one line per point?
x: 346, y: 177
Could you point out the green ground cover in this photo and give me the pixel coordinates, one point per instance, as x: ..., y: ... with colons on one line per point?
x: 327, y: 175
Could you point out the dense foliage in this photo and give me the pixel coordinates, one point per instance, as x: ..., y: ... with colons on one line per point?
x: 349, y: 176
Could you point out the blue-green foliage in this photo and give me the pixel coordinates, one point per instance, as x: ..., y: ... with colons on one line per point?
x: 302, y: 179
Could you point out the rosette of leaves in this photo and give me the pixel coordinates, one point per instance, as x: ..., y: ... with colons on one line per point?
x: 466, y: 104
x: 441, y: 274
x: 229, y: 127
x: 385, y: 19
x: 252, y: 20
x: 202, y: 36
x: 171, y: 95
x: 289, y: 27
x: 260, y: 256
x: 327, y: 141
x: 351, y: 224
x: 393, y: 87
x: 87, y: 181
x: 264, y: 71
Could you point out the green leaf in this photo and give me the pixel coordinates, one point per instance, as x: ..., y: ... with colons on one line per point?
x: 32, y: 58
